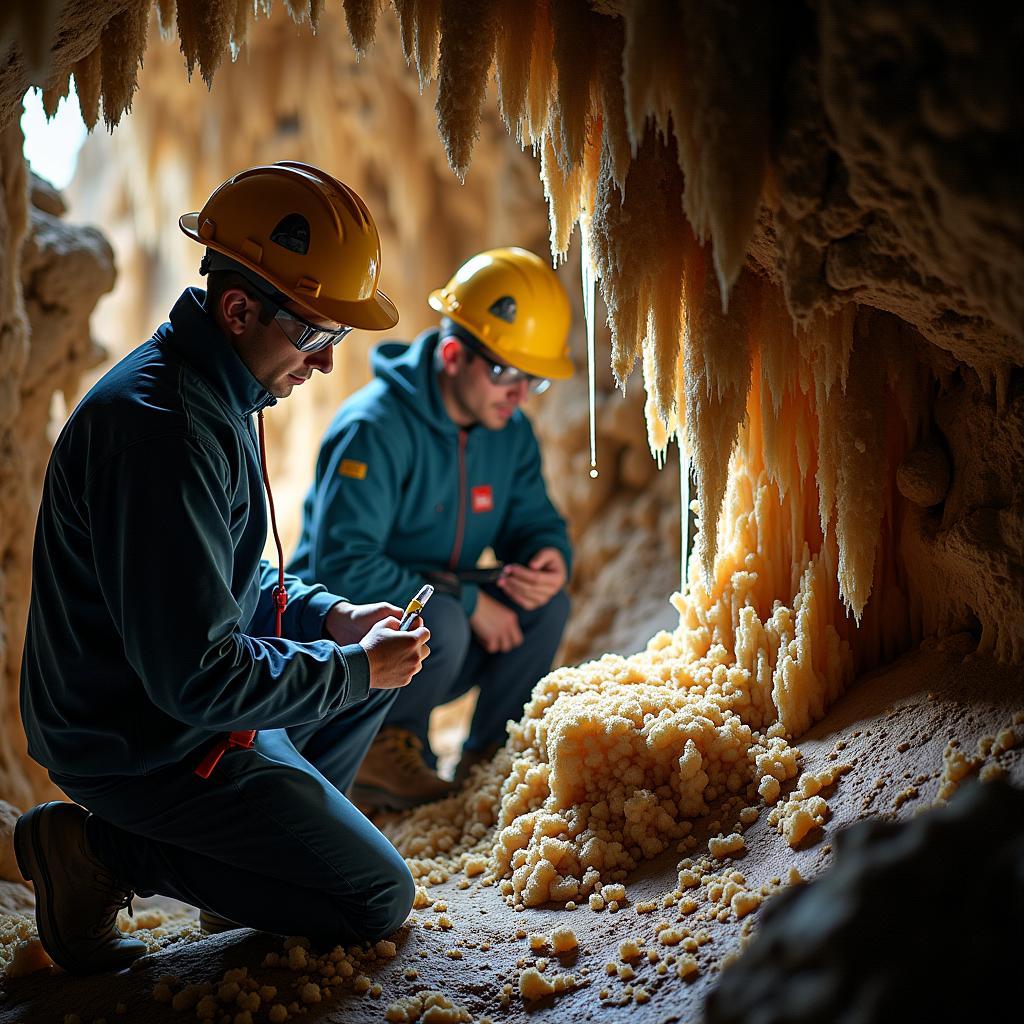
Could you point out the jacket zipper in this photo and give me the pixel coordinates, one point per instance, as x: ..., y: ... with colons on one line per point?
x: 460, y: 522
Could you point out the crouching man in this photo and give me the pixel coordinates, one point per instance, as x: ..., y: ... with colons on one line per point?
x: 208, y: 710
x: 421, y: 471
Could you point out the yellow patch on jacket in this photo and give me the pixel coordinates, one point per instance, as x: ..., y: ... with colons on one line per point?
x: 352, y: 468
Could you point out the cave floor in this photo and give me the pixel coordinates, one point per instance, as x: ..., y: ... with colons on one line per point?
x: 892, y: 727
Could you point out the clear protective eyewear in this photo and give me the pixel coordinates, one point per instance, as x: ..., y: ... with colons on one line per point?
x: 503, y: 375
x: 307, y: 337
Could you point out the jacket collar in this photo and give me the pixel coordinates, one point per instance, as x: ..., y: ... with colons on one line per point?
x: 193, y: 333
x: 411, y: 374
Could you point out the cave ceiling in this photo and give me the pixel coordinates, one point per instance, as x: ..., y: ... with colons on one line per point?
x: 866, y: 152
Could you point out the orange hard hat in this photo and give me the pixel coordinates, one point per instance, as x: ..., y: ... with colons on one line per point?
x: 304, y: 232
x: 514, y: 304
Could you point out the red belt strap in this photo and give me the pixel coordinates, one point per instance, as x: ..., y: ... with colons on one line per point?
x: 245, y: 738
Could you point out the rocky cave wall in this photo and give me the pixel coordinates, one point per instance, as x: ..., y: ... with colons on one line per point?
x: 52, y: 275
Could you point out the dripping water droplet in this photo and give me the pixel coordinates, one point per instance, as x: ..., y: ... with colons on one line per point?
x: 589, y: 300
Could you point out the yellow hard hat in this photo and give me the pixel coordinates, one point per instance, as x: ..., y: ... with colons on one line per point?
x: 513, y: 302
x: 306, y: 233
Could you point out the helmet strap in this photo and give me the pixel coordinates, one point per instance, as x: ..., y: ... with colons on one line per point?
x: 215, y: 261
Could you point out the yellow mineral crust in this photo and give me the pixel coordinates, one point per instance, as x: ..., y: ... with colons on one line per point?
x: 612, y: 759
x: 805, y: 810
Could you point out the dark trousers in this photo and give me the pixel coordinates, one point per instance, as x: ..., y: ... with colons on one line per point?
x: 269, y: 840
x: 458, y: 662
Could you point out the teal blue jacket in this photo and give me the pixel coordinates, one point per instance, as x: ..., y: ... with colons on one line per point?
x: 150, y: 628
x: 400, y: 488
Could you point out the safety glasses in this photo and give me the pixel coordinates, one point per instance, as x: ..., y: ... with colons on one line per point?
x: 307, y: 337
x: 502, y: 375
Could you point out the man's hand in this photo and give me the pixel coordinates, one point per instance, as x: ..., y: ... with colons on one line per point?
x: 395, y: 657
x: 534, y: 585
x: 495, y: 625
x: 349, y: 623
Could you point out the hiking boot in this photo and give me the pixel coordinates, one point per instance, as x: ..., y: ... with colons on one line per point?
x: 214, y: 924
x: 394, y: 776
x: 77, y: 898
x: 470, y: 759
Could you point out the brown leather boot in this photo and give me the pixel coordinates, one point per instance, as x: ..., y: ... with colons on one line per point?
x: 77, y: 898
x: 394, y: 776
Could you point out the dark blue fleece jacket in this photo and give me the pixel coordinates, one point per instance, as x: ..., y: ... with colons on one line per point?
x: 401, y: 489
x: 151, y: 619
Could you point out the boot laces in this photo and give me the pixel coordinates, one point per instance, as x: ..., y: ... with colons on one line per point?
x: 119, y: 899
x: 406, y: 751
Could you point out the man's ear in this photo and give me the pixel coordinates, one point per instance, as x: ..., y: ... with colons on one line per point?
x: 452, y: 356
x: 236, y: 311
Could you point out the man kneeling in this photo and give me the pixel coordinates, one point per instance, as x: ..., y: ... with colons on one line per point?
x: 209, y: 710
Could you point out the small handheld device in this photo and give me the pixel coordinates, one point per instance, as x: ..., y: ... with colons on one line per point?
x: 415, y: 606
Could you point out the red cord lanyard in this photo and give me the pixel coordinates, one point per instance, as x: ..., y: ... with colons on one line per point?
x: 245, y: 738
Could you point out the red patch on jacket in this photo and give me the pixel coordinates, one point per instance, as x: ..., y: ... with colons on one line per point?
x: 482, y: 498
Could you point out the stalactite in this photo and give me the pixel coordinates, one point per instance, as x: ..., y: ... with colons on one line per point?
x: 514, y: 53
x: 428, y: 30
x: 575, y: 40
x: 406, y: 12
x: 618, y: 252
x: 615, y: 133
x: 729, y: 68
x: 863, y: 457
x: 362, y: 22
x: 88, y: 84
x: 716, y: 370
x: 467, y: 49
x: 240, y: 26
x: 55, y: 92
x: 639, y: 239
x: 538, y: 92
x: 205, y: 30
x: 32, y: 24
x: 122, y: 45
x: 562, y: 191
